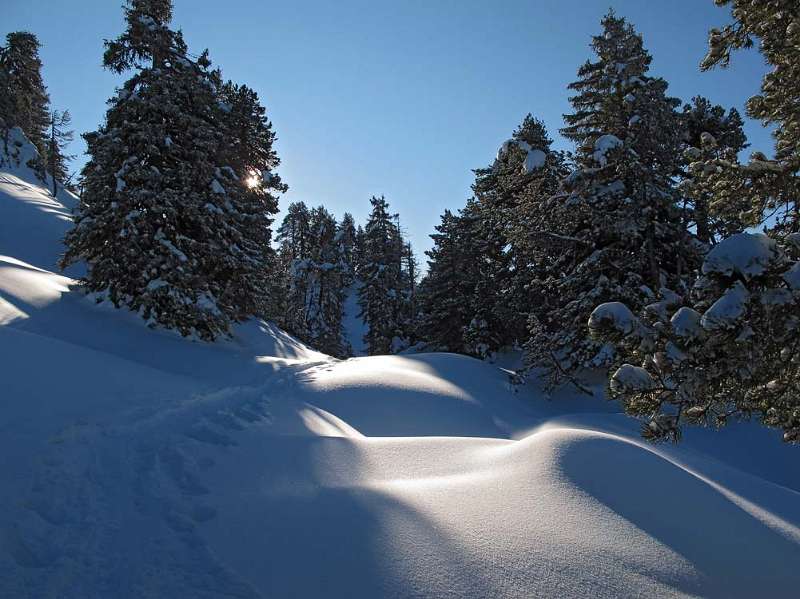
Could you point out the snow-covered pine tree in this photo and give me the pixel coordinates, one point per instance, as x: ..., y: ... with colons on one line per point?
x: 618, y: 218
x: 358, y: 251
x: 59, y: 136
x: 26, y: 104
x: 409, y: 275
x: 714, y: 139
x: 524, y: 168
x: 381, y: 296
x: 730, y: 349
x: 446, y: 291
x: 294, y: 234
x: 325, y: 277
x: 248, y: 150
x: 295, y: 239
x: 166, y: 224
x: 771, y: 186
x: 346, y: 238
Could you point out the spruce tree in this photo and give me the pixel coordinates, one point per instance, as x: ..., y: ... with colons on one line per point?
x: 26, y: 103
x: 381, y: 298
x: 617, y: 219
x: 769, y: 185
x: 446, y: 291
x: 167, y: 224
x: 295, y: 238
x: 522, y: 165
x: 729, y: 349
x: 409, y: 274
x: 346, y: 238
x: 60, y: 135
x: 714, y: 139
x: 491, y: 242
x: 325, y: 296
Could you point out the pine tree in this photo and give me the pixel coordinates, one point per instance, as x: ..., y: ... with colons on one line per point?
x: 500, y: 302
x: 714, y: 139
x: 358, y: 251
x: 346, y: 238
x: 618, y: 219
x: 448, y: 287
x: 60, y: 135
x: 491, y: 242
x: 380, y: 298
x: 295, y: 238
x: 768, y: 185
x: 167, y: 225
x: 325, y: 299
x: 248, y: 152
x: 729, y: 349
x: 26, y: 104
x: 409, y: 275
x: 294, y: 234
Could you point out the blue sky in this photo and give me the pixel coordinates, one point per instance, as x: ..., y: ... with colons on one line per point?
x: 394, y: 98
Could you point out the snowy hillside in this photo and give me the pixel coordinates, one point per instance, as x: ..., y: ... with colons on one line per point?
x: 138, y: 463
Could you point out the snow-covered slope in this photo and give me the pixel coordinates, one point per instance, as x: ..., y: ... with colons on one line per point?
x: 137, y: 463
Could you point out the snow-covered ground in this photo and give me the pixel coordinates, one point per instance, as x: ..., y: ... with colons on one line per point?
x: 137, y: 463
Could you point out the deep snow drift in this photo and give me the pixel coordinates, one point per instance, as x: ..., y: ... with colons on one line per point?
x: 137, y: 463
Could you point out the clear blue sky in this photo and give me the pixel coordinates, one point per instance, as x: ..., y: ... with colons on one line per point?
x: 401, y: 98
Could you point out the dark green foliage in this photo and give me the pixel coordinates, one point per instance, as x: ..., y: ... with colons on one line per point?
x: 24, y: 102
x: 729, y: 349
x: 381, y: 296
x: 60, y: 135
x: 172, y: 223
x: 617, y: 224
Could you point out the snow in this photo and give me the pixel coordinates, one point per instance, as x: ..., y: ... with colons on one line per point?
x: 603, y: 145
x: 631, y: 378
x: 792, y: 277
x: 745, y: 254
x: 156, y: 284
x: 534, y: 160
x: 504, y: 147
x: 727, y: 310
x: 686, y: 323
x: 534, y: 157
x: 217, y: 187
x: 615, y: 315
x: 138, y: 463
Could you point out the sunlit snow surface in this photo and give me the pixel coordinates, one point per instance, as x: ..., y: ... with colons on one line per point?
x: 137, y: 463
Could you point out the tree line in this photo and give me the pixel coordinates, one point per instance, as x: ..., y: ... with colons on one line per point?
x: 649, y: 249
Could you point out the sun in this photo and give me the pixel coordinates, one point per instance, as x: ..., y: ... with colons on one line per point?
x: 252, y: 181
